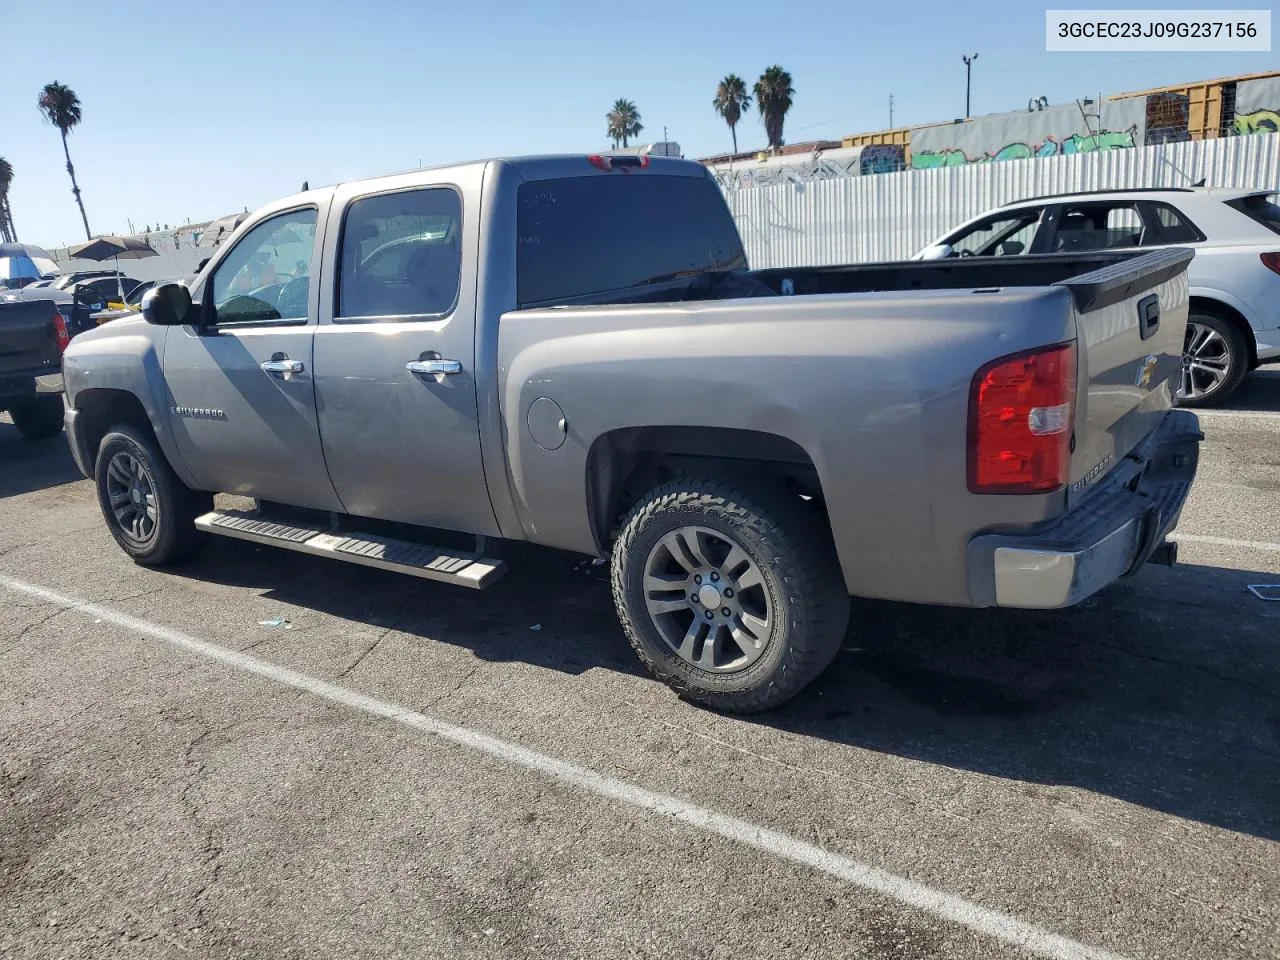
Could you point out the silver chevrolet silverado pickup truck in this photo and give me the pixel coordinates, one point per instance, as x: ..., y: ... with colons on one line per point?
x: 405, y: 372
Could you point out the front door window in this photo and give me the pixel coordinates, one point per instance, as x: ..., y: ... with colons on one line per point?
x: 1004, y: 235
x: 267, y: 275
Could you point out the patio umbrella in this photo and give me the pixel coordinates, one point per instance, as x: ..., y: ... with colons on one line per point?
x: 22, y: 261
x: 115, y: 248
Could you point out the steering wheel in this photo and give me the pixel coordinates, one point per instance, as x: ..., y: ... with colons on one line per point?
x: 291, y: 301
x: 966, y: 253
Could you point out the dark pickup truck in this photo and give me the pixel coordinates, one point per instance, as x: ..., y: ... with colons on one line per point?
x: 33, y: 335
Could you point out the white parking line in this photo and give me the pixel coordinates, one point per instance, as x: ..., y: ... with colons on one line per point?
x: 1243, y: 414
x: 989, y: 922
x: 1225, y: 541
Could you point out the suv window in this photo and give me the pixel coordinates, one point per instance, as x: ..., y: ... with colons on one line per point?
x: 1261, y: 209
x: 1002, y: 235
x: 587, y: 235
x: 267, y: 274
x: 1098, y: 226
x: 401, y: 255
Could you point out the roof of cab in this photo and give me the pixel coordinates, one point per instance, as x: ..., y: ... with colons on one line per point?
x: 532, y: 167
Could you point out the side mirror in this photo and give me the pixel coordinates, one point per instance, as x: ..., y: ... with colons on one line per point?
x: 167, y: 305
x: 936, y: 251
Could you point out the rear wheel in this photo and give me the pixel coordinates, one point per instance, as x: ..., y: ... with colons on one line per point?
x: 731, y: 594
x: 1215, y: 359
x: 149, y: 511
x: 40, y: 418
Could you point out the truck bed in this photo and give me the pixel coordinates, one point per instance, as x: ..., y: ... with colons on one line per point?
x: 954, y: 274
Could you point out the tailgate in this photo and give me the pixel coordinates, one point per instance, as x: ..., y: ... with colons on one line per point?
x: 28, y: 343
x: 1131, y: 318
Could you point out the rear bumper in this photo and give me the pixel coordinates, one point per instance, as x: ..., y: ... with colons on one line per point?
x: 1109, y: 535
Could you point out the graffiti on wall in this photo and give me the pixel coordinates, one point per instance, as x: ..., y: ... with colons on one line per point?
x: 881, y: 158
x: 1049, y: 147
x: 1168, y: 118
x: 1259, y: 121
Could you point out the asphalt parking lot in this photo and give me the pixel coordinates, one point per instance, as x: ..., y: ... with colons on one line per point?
x: 407, y: 769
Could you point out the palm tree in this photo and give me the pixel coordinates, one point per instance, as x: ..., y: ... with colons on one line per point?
x: 623, y: 122
x: 61, y: 107
x: 774, y: 94
x: 7, y: 232
x: 731, y: 99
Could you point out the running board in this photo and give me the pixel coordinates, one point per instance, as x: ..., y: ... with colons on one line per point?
x: 402, y: 556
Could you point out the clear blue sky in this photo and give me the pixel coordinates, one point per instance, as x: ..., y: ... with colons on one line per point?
x: 196, y: 109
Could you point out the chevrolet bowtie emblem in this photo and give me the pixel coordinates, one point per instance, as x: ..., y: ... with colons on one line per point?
x: 1145, y: 370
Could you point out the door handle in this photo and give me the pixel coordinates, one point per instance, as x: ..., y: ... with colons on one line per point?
x: 1148, y: 316
x: 434, y: 368
x: 283, y: 367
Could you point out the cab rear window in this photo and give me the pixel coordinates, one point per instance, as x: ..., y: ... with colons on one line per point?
x: 590, y: 235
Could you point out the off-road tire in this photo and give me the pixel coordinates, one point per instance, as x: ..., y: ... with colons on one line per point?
x: 791, y: 545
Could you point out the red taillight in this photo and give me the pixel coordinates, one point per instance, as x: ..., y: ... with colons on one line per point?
x: 1021, y: 410
x: 599, y: 162
x: 60, y: 333
x: 1271, y: 261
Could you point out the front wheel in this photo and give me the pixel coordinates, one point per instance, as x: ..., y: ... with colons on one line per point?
x: 40, y: 418
x: 730, y: 594
x: 149, y: 511
x: 1215, y: 360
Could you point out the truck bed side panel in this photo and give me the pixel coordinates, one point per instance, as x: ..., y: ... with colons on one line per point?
x: 873, y: 387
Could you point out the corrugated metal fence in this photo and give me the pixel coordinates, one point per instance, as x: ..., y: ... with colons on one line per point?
x: 892, y: 215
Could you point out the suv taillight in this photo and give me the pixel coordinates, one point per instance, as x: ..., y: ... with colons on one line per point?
x: 1271, y: 261
x: 1021, y: 410
x: 60, y: 333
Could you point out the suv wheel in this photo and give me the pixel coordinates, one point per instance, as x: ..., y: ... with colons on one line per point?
x: 1215, y: 359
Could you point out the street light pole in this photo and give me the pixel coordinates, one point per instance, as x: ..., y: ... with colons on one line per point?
x: 968, y: 76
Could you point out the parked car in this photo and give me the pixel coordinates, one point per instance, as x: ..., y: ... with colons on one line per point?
x: 106, y: 290
x: 1235, y: 277
x: 572, y: 352
x: 33, y: 336
x: 65, y: 280
x: 134, y: 300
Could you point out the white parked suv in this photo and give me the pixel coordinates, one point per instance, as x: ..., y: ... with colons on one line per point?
x: 1234, y: 278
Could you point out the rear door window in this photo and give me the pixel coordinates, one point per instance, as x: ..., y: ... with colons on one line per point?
x: 1099, y: 226
x: 401, y: 255
x: 590, y: 235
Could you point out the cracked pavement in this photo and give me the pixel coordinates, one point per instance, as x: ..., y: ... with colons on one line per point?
x: 1109, y: 773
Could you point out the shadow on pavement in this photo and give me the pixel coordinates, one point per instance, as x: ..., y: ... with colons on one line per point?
x: 1163, y: 692
x: 27, y: 465
x: 1259, y: 391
